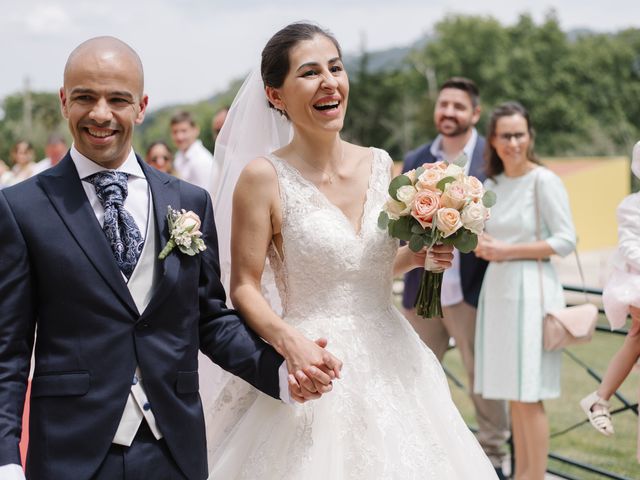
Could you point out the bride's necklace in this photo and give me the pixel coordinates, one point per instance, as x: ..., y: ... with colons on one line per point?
x: 330, y: 176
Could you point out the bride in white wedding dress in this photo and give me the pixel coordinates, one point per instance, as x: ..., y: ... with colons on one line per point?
x: 310, y: 208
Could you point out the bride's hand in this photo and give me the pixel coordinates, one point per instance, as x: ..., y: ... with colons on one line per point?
x: 313, y: 367
x: 302, y: 394
x: 442, y: 255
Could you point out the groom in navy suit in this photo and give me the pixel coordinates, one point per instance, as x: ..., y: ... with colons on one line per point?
x: 456, y: 113
x: 115, y: 387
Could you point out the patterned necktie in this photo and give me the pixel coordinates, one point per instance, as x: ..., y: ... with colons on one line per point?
x: 119, y: 227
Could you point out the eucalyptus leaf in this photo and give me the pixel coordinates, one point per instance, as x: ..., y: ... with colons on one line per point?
x: 489, y: 198
x: 402, y: 228
x: 383, y: 220
x: 396, y: 183
x: 461, y: 160
x: 417, y: 228
x: 419, y: 171
x: 442, y: 183
x: 452, y: 239
x: 467, y: 241
x: 416, y: 242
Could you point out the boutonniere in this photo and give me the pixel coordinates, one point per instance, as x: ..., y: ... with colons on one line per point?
x: 184, y: 233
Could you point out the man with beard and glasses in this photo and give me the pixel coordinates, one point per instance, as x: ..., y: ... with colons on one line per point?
x: 457, y: 111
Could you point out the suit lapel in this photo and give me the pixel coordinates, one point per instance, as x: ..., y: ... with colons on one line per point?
x: 165, y: 192
x: 477, y: 160
x: 64, y: 189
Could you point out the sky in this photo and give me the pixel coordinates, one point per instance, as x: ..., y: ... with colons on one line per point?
x: 192, y: 49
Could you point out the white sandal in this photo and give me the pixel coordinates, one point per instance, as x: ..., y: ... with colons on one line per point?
x: 597, y: 410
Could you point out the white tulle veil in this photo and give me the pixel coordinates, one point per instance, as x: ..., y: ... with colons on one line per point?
x: 251, y: 129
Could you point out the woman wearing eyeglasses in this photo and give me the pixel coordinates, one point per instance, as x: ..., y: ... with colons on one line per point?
x: 511, y: 363
x: 160, y: 157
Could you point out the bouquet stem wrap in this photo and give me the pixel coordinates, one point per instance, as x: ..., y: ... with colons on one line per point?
x: 428, y: 303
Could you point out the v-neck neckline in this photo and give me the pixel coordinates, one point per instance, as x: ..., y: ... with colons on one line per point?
x: 313, y: 186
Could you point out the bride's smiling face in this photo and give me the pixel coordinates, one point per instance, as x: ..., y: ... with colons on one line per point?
x: 316, y: 89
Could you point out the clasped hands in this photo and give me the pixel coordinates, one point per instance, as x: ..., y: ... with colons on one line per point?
x: 312, y: 368
x: 491, y: 249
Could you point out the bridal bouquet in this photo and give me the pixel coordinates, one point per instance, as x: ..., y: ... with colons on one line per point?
x: 436, y: 203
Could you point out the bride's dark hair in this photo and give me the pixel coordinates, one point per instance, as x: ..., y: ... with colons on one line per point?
x: 275, y: 55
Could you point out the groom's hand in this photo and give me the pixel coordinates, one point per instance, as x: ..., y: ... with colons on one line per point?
x: 314, y: 381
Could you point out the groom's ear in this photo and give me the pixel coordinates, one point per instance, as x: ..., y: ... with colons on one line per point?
x: 273, y: 95
x: 63, y: 103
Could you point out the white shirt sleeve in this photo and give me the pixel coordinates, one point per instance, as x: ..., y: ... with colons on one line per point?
x: 628, y: 214
x: 11, y: 471
x: 283, y: 376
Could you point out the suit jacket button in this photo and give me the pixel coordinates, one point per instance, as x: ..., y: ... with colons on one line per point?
x: 142, y: 326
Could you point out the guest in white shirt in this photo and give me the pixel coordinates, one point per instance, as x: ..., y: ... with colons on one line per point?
x: 193, y: 162
x: 54, y: 150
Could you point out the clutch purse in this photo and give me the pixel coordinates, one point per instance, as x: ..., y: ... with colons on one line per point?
x: 569, y: 325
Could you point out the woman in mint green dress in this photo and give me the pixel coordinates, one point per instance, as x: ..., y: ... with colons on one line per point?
x: 510, y: 360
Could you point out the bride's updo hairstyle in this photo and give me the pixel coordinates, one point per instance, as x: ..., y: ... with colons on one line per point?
x: 275, y: 55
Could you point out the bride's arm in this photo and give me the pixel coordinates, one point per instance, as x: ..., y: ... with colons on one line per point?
x: 255, y: 207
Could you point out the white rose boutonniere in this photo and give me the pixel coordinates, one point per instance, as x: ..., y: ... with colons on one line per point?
x: 184, y: 233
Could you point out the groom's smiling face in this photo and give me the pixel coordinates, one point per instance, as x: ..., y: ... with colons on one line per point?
x: 102, y: 98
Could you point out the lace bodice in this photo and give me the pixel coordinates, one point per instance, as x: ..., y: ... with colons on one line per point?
x: 328, y: 268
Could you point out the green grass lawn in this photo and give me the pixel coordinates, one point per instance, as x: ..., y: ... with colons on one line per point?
x: 616, y: 454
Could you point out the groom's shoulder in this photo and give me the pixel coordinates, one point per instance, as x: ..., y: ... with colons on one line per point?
x: 192, y: 196
x: 23, y: 191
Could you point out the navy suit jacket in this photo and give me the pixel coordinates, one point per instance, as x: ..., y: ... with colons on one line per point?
x: 57, y: 271
x: 472, y: 268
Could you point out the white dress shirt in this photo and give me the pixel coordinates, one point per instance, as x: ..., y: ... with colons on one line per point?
x: 451, y: 281
x: 197, y: 166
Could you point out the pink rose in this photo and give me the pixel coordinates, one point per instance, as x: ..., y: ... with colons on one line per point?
x: 425, y: 205
x: 455, y: 195
x: 437, y: 165
x: 448, y: 221
x: 429, y: 179
x: 475, y: 187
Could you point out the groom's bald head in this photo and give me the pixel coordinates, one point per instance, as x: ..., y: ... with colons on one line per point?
x: 99, y: 51
x: 103, y: 99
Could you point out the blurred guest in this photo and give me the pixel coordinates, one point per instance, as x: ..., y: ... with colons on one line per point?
x: 4, y: 172
x: 511, y: 363
x: 456, y: 113
x: 218, y: 121
x: 55, y: 150
x: 193, y: 162
x: 620, y: 297
x: 22, y: 155
x: 159, y: 156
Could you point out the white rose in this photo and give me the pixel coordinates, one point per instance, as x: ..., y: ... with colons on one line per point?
x: 454, y: 171
x: 474, y: 216
x: 188, y: 221
x: 405, y: 194
x: 395, y: 209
